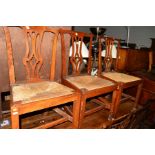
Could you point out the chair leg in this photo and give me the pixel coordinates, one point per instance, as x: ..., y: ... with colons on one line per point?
x: 82, y: 111
x: 139, y: 90
x: 76, y: 114
x: 116, y: 98
x: 14, y: 118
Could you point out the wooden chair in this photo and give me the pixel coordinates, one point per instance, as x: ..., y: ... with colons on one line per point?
x: 126, y: 121
x: 89, y: 86
x: 35, y: 93
x: 135, y: 119
x: 125, y: 81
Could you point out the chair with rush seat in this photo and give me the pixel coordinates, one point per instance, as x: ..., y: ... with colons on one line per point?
x: 89, y: 86
x: 125, y: 81
x: 37, y: 93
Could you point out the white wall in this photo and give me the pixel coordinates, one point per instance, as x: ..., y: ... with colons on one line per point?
x: 138, y: 34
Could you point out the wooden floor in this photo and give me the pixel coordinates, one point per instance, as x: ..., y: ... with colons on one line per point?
x: 90, y: 122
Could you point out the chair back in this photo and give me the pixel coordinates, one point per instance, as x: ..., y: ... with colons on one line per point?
x: 33, y: 57
x: 108, y: 61
x: 75, y: 58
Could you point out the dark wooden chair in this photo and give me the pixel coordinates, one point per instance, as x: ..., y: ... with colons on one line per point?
x: 89, y: 86
x: 126, y: 121
x: 136, y: 119
x: 125, y: 81
x: 36, y: 93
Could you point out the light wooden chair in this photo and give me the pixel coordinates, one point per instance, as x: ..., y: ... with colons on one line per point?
x: 35, y: 93
x: 125, y: 81
x: 89, y: 86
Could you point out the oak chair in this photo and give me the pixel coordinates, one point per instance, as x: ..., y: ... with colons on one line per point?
x: 36, y: 93
x: 125, y: 81
x: 88, y: 86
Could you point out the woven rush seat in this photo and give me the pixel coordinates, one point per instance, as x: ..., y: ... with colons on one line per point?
x: 120, y: 77
x: 89, y: 82
x: 31, y: 92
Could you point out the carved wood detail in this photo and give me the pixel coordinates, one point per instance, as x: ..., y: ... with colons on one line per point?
x: 108, y: 55
x: 32, y: 59
x: 76, y: 58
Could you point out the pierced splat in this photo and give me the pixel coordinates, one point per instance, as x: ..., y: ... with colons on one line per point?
x: 108, y: 55
x: 76, y: 57
x: 74, y: 53
x: 32, y: 59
